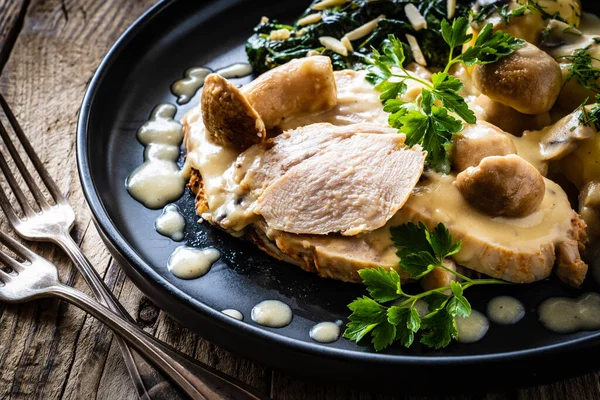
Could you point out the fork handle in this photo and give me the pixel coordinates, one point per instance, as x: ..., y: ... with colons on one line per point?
x: 144, y: 376
x: 207, y: 383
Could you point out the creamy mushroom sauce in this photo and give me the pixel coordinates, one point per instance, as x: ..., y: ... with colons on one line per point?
x: 194, y: 78
x: 472, y: 328
x: 235, y: 314
x: 505, y: 310
x: 190, y: 263
x: 325, y: 332
x: 564, y: 315
x: 272, y: 313
x: 171, y: 223
x: 158, y: 180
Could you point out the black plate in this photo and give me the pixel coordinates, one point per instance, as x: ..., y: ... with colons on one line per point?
x: 133, y: 78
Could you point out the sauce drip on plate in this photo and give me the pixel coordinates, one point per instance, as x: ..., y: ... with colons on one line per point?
x: 158, y: 180
x: 194, y: 78
x: 472, y: 328
x: 235, y: 314
x: 190, y: 263
x: 505, y: 310
x: 171, y: 223
x: 325, y: 332
x: 564, y: 315
x: 272, y: 313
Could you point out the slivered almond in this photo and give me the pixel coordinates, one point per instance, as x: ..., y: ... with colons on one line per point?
x: 328, y: 4
x: 334, y: 45
x: 301, y: 32
x: 311, y: 53
x: 309, y: 19
x: 416, y: 50
x: 414, y: 17
x: 346, y: 42
x: 364, y: 30
x: 451, y: 8
x: 280, y: 34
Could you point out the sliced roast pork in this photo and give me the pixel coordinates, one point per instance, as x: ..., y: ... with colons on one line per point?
x: 353, y: 182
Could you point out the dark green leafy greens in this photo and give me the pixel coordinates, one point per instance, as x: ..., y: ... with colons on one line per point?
x: 480, y: 14
x: 420, y: 251
x: 427, y: 120
x: 265, y: 54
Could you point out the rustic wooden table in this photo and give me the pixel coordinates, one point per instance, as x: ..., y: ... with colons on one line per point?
x: 49, y: 50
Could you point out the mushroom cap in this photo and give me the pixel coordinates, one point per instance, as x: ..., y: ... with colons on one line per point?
x: 477, y: 142
x: 503, y: 186
x: 529, y: 80
x: 228, y: 116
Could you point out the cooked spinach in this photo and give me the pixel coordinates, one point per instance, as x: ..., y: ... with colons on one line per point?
x: 265, y: 54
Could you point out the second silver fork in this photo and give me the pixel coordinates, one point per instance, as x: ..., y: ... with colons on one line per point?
x: 52, y: 223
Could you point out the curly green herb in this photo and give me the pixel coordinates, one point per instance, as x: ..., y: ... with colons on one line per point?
x: 420, y: 251
x: 422, y: 121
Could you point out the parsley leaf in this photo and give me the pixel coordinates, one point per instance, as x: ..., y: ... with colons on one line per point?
x: 423, y: 121
x: 489, y: 47
x: 366, y: 315
x: 407, y: 322
x: 456, y: 35
x: 381, y: 283
x: 439, y: 328
x: 420, y: 251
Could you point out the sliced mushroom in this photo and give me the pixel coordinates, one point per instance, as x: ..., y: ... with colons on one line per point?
x: 228, y: 116
x: 503, y: 186
x: 301, y: 86
x: 529, y: 80
x: 477, y: 142
x: 562, y: 138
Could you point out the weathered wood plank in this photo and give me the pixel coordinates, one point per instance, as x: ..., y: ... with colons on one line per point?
x: 56, y: 351
x: 12, y: 13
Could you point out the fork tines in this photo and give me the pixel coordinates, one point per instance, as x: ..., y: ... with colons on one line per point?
x: 10, y: 262
x: 35, y: 190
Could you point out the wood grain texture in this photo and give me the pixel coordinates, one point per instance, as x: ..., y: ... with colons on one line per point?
x: 53, y: 351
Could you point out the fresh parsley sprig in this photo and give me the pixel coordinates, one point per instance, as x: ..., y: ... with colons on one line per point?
x: 420, y: 251
x: 428, y: 121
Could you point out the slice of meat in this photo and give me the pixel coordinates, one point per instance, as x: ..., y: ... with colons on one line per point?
x: 323, y: 179
x: 356, y: 185
x: 302, y: 86
x: 228, y: 116
x: 519, y: 250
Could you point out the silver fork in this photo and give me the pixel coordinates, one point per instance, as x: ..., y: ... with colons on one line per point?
x: 35, y: 278
x: 52, y: 223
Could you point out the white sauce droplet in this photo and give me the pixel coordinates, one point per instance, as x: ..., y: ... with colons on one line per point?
x: 505, y: 310
x: 171, y: 223
x: 564, y: 315
x: 472, y: 328
x: 194, y: 78
x: 272, y: 313
x: 190, y: 263
x: 233, y: 314
x: 325, y: 332
x: 158, y: 180
x: 235, y: 71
